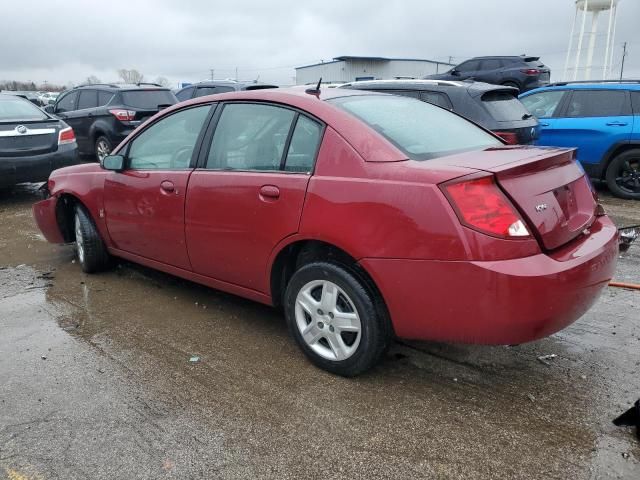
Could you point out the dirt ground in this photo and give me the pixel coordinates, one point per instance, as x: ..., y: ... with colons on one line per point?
x: 96, y: 382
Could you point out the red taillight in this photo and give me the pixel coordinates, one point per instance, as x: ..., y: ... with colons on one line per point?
x: 481, y: 205
x: 66, y: 136
x: 531, y: 71
x: 509, y: 137
x: 123, y: 115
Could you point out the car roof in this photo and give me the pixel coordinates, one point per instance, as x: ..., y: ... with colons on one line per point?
x: 593, y: 85
x: 123, y: 86
x: 232, y: 83
x: 474, y: 88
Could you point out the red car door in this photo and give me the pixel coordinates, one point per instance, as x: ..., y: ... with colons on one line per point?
x: 250, y: 191
x: 144, y: 204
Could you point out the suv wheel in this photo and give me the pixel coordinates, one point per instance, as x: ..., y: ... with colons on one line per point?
x: 623, y: 175
x: 92, y: 253
x: 102, y: 148
x: 333, y: 318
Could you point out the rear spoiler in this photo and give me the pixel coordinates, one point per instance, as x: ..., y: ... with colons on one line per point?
x: 530, y: 59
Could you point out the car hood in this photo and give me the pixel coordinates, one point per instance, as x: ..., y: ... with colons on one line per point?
x: 75, y: 169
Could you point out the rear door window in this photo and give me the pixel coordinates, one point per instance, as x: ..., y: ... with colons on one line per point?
x: 635, y: 101
x: 598, y: 103
x: 148, y: 99
x: 543, y: 104
x: 185, y: 94
x: 490, y: 64
x: 304, y: 146
x: 67, y: 103
x: 104, y: 98
x: 87, y: 99
x: 470, y: 66
x: 437, y: 98
x: 504, y: 106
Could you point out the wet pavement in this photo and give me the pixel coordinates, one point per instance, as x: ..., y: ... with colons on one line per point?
x: 96, y: 382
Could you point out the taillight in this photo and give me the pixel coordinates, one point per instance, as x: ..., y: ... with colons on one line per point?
x: 66, y: 136
x: 123, y: 115
x: 531, y: 71
x: 481, y: 205
x: 509, y: 137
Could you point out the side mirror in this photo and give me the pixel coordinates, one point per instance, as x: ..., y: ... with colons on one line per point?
x: 113, y: 162
x: 49, y: 109
x: 455, y: 73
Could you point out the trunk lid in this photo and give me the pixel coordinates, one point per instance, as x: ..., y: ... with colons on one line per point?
x: 547, y: 185
x: 28, y: 138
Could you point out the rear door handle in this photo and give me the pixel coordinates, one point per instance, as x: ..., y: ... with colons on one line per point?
x: 167, y: 186
x: 270, y: 192
x: 617, y: 124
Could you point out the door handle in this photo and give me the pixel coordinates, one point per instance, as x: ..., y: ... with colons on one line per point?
x: 617, y: 124
x: 269, y: 192
x: 544, y: 124
x: 167, y: 186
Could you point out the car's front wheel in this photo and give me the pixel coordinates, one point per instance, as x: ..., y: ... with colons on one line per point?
x: 91, y: 250
x: 103, y: 147
x: 334, y: 318
x: 623, y: 175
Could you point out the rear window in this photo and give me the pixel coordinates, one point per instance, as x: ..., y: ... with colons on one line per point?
x: 421, y: 130
x: 148, y: 99
x: 18, y: 109
x: 504, y: 106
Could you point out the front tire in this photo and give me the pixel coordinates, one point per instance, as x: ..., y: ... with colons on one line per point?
x: 103, y: 147
x: 623, y: 175
x: 333, y: 317
x: 91, y: 251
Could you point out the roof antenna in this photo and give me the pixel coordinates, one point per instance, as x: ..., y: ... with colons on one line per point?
x: 314, y: 91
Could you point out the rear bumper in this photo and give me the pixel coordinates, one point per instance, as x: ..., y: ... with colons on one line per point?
x: 36, y: 168
x: 498, y: 302
x: 44, y: 213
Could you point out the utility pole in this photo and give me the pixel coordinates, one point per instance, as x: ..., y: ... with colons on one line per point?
x: 237, y: 73
x: 624, y: 54
x: 212, y: 70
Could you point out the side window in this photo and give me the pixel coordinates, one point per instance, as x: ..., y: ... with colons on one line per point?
x: 168, y: 144
x: 635, y: 101
x: 67, y: 103
x: 490, y: 64
x: 436, y: 98
x: 185, y: 94
x: 470, y: 66
x: 598, y: 103
x: 104, y: 98
x: 403, y: 93
x: 87, y: 99
x: 250, y: 137
x: 202, y: 91
x: 304, y: 146
x: 543, y: 104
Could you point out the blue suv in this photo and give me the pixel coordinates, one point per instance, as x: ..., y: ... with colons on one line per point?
x: 601, y: 119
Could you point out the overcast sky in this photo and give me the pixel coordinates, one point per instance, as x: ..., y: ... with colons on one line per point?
x: 62, y: 41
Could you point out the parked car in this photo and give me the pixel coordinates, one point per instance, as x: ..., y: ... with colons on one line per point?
x: 47, y: 98
x: 522, y: 72
x: 364, y: 215
x: 32, y: 142
x: 218, y: 86
x: 602, y: 119
x: 493, y: 107
x: 26, y: 94
x: 102, y: 115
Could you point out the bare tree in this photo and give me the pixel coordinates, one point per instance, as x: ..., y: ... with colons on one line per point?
x: 130, y: 76
x: 162, y: 81
x: 92, y: 79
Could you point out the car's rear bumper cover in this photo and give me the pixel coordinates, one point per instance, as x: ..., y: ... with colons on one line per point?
x: 44, y: 213
x: 497, y: 302
x: 36, y: 168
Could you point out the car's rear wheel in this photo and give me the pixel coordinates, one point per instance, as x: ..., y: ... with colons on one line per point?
x: 333, y: 317
x: 623, y: 175
x: 103, y: 147
x: 91, y: 250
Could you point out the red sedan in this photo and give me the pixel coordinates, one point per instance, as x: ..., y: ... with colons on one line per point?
x: 366, y: 216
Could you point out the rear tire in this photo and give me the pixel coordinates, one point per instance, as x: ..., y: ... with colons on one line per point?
x: 333, y: 317
x: 91, y: 251
x: 623, y: 175
x: 103, y: 147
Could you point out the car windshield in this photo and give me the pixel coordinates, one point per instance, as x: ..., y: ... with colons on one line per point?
x: 148, y: 99
x: 504, y: 106
x: 18, y: 109
x: 421, y: 130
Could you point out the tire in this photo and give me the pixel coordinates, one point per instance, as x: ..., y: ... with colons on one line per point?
x: 334, y: 318
x: 91, y: 251
x: 623, y: 175
x: 102, y: 148
x: 511, y: 84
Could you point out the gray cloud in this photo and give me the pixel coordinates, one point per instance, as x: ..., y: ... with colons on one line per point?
x: 67, y: 41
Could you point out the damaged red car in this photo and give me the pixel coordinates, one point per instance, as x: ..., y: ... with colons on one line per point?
x: 365, y: 216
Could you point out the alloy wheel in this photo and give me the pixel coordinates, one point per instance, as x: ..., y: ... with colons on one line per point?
x: 79, y: 239
x: 628, y: 177
x: 102, y: 149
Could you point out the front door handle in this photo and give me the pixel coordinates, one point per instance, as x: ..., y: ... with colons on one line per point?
x: 167, y: 186
x: 617, y: 124
x: 270, y: 192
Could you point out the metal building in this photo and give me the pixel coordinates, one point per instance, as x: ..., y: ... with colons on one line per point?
x: 351, y: 69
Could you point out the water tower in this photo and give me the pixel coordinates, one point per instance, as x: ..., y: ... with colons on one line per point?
x: 578, y: 67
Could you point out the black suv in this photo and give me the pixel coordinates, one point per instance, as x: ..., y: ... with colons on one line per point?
x: 218, y: 86
x: 493, y: 107
x: 523, y: 72
x: 102, y: 115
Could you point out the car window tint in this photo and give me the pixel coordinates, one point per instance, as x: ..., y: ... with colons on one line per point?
x: 635, y: 101
x: 67, y: 102
x: 104, y: 98
x: 404, y: 93
x: 250, y: 137
x: 168, y: 144
x: 421, y: 130
x: 469, y: 66
x: 148, y: 99
x: 202, y: 91
x: 504, y: 106
x: 304, y: 145
x: 18, y: 109
x: 598, y: 103
x: 224, y: 89
x: 490, y: 64
x: 437, y: 98
x: 543, y: 104
x: 87, y: 99
x: 184, y: 94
